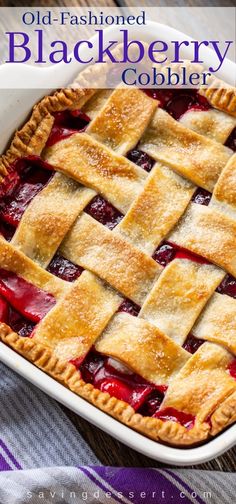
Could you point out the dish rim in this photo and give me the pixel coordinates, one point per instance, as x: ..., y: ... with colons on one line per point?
x: 153, y: 449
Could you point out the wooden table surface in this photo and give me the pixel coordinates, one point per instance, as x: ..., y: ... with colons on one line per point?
x: 108, y: 450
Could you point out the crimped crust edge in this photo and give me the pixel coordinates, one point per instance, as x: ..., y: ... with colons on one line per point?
x: 220, y: 95
x: 33, y: 135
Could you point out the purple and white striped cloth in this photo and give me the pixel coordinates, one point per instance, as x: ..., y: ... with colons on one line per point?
x: 43, y: 459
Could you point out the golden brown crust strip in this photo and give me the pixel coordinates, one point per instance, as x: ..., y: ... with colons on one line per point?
x: 195, y: 157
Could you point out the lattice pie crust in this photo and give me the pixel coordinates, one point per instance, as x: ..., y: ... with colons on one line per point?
x: 157, y: 206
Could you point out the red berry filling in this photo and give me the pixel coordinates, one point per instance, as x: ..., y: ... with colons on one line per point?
x: 10, y: 182
x: 186, y: 100
x: 130, y: 307
x: 192, y: 344
x: 103, y: 212
x: 19, y: 170
x: 167, y: 251
x: 66, y: 124
x: 3, y: 310
x: 22, y: 304
x: 14, y: 319
x: 7, y: 231
x: 30, y: 184
x: 201, y: 197
x: 64, y: 269
x: 108, y: 375
x: 231, y: 142
x: 19, y: 324
x: 164, y: 254
x: 185, y: 419
x: 91, y: 364
x: 30, y: 301
x: 135, y: 396
x: 152, y: 404
x: 141, y: 159
x: 232, y: 369
x: 21, y: 186
x: 186, y: 254
x: 227, y: 286
x: 178, y: 101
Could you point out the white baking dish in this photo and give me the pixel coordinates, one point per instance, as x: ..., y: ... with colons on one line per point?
x: 14, y: 108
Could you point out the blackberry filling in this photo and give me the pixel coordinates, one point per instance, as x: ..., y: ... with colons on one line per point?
x: 31, y: 183
x: 231, y: 141
x: 64, y: 269
x: 201, y: 197
x: 164, y: 254
x: 167, y: 251
x: 178, y: 101
x: 192, y: 344
x: 33, y: 303
x: 141, y: 159
x: 21, y: 186
x: 109, y: 375
x: 104, y: 212
x: 130, y: 307
x: 227, y: 286
x: 66, y: 124
x: 232, y: 369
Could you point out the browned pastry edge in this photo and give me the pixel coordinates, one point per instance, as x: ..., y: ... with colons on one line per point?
x: 32, y: 137
x: 224, y: 415
x: 68, y: 375
x: 221, y: 96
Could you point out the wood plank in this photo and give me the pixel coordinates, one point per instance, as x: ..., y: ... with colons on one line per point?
x: 176, y: 3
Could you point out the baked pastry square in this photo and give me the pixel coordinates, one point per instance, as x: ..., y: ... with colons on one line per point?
x: 118, y: 253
